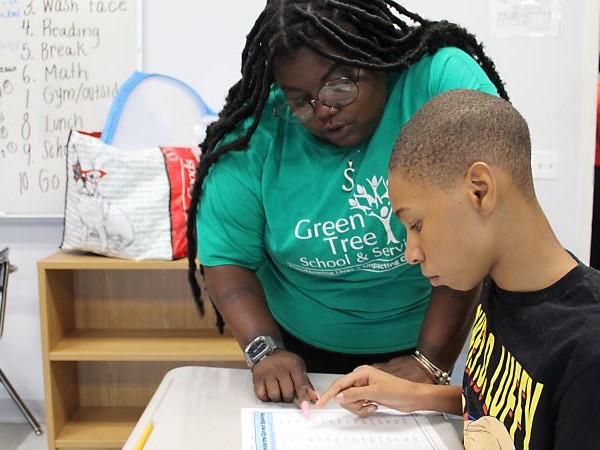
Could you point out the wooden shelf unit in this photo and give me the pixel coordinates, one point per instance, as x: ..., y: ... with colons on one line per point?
x: 111, y: 329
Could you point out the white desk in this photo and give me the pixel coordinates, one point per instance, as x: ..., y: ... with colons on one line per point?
x: 199, y: 408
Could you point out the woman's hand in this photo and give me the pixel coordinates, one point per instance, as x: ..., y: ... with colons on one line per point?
x: 238, y: 295
x: 281, y: 377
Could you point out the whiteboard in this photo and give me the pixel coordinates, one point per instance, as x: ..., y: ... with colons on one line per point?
x: 61, y: 62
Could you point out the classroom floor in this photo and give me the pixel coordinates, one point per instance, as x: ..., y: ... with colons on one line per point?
x: 20, y: 436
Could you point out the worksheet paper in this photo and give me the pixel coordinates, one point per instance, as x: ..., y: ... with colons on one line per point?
x: 331, y: 429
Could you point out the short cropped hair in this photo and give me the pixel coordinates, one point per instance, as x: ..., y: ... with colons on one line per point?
x: 457, y: 128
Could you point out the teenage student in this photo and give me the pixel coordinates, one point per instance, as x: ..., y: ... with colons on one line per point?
x: 290, y: 214
x: 460, y: 181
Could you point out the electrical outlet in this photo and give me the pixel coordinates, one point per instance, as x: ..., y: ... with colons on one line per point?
x: 544, y: 165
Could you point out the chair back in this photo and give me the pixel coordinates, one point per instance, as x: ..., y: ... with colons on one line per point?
x: 4, y: 271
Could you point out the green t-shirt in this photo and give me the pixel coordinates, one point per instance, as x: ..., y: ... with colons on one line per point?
x: 314, y: 220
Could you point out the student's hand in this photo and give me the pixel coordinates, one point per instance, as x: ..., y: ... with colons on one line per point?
x: 281, y: 377
x: 406, y: 367
x: 364, y: 388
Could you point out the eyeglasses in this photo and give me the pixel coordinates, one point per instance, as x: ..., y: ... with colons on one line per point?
x: 90, y: 176
x: 334, y: 94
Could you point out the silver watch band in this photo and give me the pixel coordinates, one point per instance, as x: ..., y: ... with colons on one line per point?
x: 259, y: 348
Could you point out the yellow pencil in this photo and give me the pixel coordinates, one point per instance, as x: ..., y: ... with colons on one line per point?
x: 145, y: 435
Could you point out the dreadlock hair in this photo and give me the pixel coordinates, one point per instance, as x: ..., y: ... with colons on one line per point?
x: 370, y: 34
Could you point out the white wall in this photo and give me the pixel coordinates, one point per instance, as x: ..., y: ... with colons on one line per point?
x: 20, y: 345
x: 551, y: 80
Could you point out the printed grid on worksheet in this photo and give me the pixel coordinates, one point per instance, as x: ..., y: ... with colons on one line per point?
x: 339, y: 429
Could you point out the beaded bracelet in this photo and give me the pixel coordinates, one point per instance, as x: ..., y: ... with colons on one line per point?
x: 440, y: 376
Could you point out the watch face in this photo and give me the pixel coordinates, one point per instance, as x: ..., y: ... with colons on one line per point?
x: 257, y: 349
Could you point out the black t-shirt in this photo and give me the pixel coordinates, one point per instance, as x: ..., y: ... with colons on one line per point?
x: 534, y: 365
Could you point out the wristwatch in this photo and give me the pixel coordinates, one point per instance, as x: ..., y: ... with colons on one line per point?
x: 259, y: 348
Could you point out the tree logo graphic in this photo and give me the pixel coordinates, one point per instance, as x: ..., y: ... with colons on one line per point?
x: 375, y: 204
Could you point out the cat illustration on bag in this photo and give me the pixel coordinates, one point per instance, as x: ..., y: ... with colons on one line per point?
x: 100, y: 219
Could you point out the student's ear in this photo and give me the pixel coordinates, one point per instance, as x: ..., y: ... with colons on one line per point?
x: 482, y: 187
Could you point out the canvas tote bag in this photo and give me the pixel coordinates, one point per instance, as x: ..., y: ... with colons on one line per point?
x: 128, y: 203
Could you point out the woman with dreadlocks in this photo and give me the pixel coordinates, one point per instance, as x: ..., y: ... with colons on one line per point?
x: 301, y: 254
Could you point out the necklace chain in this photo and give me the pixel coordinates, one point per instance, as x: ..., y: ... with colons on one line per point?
x: 348, y: 174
